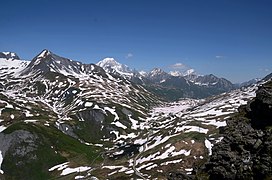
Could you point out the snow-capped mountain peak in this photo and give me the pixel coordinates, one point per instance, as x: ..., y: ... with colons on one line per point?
x: 109, y: 62
x: 110, y: 65
x: 189, y: 72
x: 156, y: 71
x: 10, y: 63
x: 44, y: 53
x: 175, y: 73
x: 143, y: 73
x: 9, y: 55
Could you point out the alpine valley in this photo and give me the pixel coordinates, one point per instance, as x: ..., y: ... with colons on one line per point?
x: 63, y: 119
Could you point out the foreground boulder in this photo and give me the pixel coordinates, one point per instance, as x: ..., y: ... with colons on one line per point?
x: 260, y: 110
x: 246, y: 150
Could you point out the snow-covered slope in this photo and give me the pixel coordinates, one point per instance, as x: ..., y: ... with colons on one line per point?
x: 176, y: 135
x: 10, y: 64
x: 81, y: 101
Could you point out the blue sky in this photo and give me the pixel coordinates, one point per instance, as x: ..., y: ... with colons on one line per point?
x: 229, y: 38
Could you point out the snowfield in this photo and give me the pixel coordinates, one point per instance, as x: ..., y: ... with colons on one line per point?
x: 193, y: 117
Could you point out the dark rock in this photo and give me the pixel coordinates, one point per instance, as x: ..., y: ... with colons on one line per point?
x: 246, y: 151
x: 67, y: 129
x: 19, y: 143
x: 260, y: 110
x: 179, y: 176
x: 257, y: 144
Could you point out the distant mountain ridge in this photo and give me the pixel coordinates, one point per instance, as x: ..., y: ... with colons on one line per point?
x: 250, y: 82
x: 172, y: 85
x: 9, y: 55
x: 10, y: 64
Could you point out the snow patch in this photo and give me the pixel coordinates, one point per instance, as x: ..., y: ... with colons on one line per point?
x: 171, y: 162
x: 12, y: 116
x: 112, y: 111
x: 187, y: 129
x: 79, y: 177
x: 119, y: 124
x: 59, y: 167
x: 2, y: 128
x: 73, y: 170
x: 209, y: 146
x: 88, y: 104
x: 1, y: 160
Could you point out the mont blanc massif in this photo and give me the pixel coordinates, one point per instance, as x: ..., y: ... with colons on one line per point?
x: 63, y: 119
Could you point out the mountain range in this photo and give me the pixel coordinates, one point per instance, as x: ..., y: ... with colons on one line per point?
x: 63, y: 119
x: 172, y: 85
x: 9, y: 55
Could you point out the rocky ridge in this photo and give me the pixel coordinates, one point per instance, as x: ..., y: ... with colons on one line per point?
x: 246, y: 149
x: 9, y: 55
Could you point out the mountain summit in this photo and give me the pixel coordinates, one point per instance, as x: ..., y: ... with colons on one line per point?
x: 46, y: 61
x: 9, y: 55
x: 110, y: 65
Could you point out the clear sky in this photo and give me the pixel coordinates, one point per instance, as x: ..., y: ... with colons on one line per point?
x: 229, y: 38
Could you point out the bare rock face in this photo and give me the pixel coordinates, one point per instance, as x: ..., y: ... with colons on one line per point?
x: 179, y: 176
x: 246, y: 150
x: 260, y: 110
x: 20, y: 145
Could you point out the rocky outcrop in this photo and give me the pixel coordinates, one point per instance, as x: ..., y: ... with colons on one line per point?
x: 19, y: 145
x: 179, y: 176
x: 9, y: 142
x: 246, y: 150
x: 260, y: 110
x: 244, y: 153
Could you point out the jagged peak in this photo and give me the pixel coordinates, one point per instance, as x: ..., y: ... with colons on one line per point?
x: 156, y: 71
x: 143, y: 73
x: 175, y: 73
x: 44, y: 53
x: 9, y: 55
x: 7, y: 52
x: 189, y: 72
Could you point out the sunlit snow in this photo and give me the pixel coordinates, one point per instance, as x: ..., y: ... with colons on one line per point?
x: 1, y: 160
